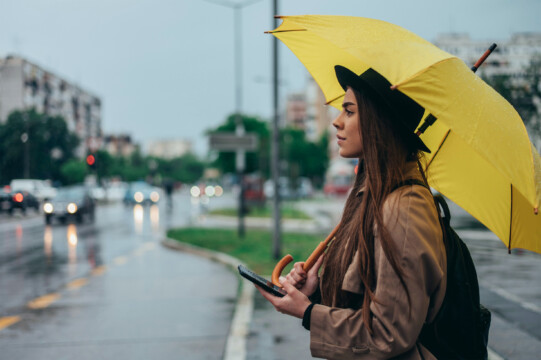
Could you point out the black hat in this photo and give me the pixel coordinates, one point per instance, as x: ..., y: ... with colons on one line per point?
x: 406, y: 110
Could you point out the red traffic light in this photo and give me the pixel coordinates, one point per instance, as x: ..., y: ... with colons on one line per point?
x: 90, y: 160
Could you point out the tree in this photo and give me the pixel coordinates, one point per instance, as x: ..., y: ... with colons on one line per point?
x: 303, y: 158
x: 73, y: 171
x: 524, y: 93
x: 36, y: 144
x: 257, y: 161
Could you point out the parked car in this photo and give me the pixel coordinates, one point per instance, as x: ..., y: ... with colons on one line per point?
x: 39, y: 188
x: 142, y: 193
x: 23, y: 200
x: 70, y: 203
x: 5, y: 200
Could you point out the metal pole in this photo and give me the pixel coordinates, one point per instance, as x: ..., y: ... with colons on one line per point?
x: 26, y: 145
x: 277, y: 236
x: 239, y: 127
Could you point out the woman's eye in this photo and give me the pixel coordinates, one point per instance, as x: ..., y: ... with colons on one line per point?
x: 349, y: 113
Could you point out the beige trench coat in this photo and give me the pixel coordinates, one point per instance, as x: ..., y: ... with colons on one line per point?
x: 410, y: 216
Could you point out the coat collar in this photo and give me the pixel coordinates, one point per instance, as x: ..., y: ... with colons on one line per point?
x: 411, y: 172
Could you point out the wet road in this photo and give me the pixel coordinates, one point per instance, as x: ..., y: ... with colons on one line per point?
x: 109, y: 290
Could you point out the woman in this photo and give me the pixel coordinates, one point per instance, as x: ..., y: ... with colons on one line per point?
x: 384, y: 274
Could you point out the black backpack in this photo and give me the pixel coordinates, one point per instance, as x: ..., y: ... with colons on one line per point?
x: 460, y: 329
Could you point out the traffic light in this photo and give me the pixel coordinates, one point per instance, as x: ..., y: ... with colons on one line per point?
x: 91, y: 161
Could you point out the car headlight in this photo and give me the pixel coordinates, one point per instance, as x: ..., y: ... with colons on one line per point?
x: 209, y: 191
x: 195, y: 191
x: 154, y: 196
x: 48, y: 208
x: 218, y: 191
x: 72, y: 208
x: 138, y: 197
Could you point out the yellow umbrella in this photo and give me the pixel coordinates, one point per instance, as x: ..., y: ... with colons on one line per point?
x: 481, y: 158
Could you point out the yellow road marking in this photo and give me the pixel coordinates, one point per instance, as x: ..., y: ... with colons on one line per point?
x: 99, y: 270
x: 75, y: 284
x: 121, y: 260
x: 43, y: 301
x: 8, y: 321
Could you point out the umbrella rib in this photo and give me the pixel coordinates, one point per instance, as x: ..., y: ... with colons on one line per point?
x: 510, y: 222
x: 283, y: 31
x: 438, y: 150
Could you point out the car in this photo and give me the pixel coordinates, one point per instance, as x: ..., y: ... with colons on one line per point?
x: 142, y: 193
x: 39, y: 188
x: 23, y: 200
x: 70, y: 203
x: 6, y: 200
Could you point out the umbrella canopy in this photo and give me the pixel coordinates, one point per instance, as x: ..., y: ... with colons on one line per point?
x: 481, y: 157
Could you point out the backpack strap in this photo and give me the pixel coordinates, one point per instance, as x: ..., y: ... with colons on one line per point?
x: 410, y: 182
x: 438, y: 199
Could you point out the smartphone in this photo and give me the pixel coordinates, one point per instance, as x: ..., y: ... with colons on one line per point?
x: 261, y: 282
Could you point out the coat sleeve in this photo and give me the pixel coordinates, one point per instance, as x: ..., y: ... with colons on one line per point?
x: 411, y: 219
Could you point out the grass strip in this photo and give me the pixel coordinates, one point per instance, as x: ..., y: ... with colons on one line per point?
x: 255, y: 249
x: 288, y: 212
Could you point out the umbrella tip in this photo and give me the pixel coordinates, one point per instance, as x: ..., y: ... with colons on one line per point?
x: 535, y: 210
x: 393, y: 87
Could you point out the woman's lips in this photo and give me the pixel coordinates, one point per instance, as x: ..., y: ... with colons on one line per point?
x: 340, y: 139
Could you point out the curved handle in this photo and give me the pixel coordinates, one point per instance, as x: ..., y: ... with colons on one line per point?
x: 279, y: 268
x: 312, y: 259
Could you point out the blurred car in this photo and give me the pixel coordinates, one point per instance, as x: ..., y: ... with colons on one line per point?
x: 284, y: 187
x: 23, y: 200
x: 115, y: 191
x: 70, y: 203
x: 39, y: 188
x: 5, y: 199
x: 142, y: 193
x: 305, y: 188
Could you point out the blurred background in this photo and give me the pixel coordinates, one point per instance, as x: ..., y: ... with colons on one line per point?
x: 106, y: 114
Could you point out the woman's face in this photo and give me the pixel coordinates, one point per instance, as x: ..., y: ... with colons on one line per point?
x: 347, y: 127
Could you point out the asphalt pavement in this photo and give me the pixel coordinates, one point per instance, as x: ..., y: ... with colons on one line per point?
x: 110, y: 290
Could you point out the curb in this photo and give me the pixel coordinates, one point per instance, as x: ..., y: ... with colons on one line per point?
x: 235, y: 347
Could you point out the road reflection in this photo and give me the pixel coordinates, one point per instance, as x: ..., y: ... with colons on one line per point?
x: 138, y: 217
x: 72, y: 243
x: 48, y: 242
x: 155, y: 217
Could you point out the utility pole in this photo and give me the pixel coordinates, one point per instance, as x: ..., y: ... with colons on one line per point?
x: 277, y: 234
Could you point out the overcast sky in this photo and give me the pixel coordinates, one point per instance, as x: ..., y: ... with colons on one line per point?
x: 164, y: 68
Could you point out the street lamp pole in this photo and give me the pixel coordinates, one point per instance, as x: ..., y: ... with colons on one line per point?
x: 240, y: 156
x: 240, y: 160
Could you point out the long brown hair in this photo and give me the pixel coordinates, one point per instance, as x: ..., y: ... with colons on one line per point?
x: 381, y: 167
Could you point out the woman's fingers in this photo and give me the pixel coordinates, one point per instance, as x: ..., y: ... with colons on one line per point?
x: 317, y: 265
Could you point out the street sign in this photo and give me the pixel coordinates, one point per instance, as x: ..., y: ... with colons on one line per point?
x: 232, y: 142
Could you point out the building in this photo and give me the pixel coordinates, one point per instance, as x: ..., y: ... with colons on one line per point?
x: 25, y: 85
x: 511, y: 56
x: 169, y: 149
x: 119, y: 145
x: 308, y: 111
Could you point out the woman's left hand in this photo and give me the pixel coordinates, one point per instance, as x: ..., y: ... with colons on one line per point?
x: 294, y: 303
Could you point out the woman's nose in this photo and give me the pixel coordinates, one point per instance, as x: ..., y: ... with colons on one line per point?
x: 337, y: 122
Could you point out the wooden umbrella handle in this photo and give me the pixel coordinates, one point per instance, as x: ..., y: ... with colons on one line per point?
x: 309, y: 263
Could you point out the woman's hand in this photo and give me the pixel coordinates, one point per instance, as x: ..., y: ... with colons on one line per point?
x: 307, y: 283
x: 294, y: 303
